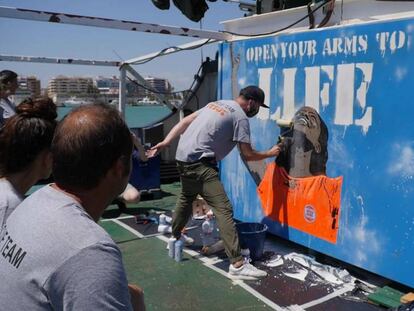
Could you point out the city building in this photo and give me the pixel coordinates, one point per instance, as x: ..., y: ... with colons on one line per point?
x: 158, y: 84
x: 70, y: 86
x: 79, y: 89
x: 31, y: 84
x: 107, y: 85
x: 110, y: 86
x: 73, y: 90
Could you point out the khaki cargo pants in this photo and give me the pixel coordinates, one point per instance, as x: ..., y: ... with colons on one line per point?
x: 202, y: 178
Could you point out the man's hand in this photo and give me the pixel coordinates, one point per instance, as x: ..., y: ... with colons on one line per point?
x: 176, y: 131
x: 275, y: 150
x: 285, y: 143
x: 156, y: 149
x: 141, y: 150
x: 249, y: 154
x: 137, y: 297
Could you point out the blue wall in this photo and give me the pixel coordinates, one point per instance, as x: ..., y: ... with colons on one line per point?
x: 361, y: 80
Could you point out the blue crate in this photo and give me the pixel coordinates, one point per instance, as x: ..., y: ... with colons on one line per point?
x: 145, y: 175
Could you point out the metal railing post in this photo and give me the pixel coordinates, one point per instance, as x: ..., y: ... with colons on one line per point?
x: 122, y: 91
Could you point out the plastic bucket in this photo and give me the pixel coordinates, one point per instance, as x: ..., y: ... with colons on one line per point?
x: 252, y: 235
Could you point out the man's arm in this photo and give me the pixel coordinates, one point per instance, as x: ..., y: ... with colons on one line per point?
x: 93, y: 279
x: 138, y: 145
x: 137, y: 297
x: 176, y: 131
x: 249, y: 154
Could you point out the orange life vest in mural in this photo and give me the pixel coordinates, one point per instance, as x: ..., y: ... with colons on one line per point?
x: 309, y: 204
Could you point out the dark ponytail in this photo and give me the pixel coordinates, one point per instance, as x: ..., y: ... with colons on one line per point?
x: 26, y: 134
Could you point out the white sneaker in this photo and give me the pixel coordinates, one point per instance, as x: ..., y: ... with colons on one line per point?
x: 246, y: 272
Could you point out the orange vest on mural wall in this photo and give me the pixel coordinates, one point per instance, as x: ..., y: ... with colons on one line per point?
x: 309, y: 204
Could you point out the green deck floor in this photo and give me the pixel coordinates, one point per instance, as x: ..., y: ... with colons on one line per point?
x: 168, y: 285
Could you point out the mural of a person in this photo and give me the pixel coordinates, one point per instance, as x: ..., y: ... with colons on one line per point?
x: 295, y: 190
x: 306, y: 145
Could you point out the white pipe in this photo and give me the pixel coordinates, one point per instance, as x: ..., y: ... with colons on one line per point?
x: 181, y: 114
x: 65, y: 61
x: 64, y: 18
x: 122, y: 91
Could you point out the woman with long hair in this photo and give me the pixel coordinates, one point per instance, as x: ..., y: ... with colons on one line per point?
x: 25, y: 156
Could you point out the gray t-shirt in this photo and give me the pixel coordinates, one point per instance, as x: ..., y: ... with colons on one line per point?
x: 7, y: 109
x: 53, y: 256
x: 9, y: 199
x: 217, y: 128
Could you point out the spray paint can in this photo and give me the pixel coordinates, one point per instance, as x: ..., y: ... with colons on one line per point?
x: 164, y: 219
x: 207, y: 233
x: 178, y: 254
x: 245, y: 252
x: 161, y: 219
x: 171, y: 247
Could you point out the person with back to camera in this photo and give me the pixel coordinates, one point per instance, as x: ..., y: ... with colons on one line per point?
x: 131, y: 194
x: 8, y: 87
x: 54, y: 254
x: 25, y: 155
x: 208, y: 135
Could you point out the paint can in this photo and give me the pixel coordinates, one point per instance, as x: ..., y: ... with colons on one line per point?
x: 171, y: 247
x: 178, y: 253
x: 162, y: 219
x: 207, y: 236
x: 245, y: 252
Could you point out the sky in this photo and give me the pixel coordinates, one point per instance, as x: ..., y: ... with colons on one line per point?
x: 31, y: 38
